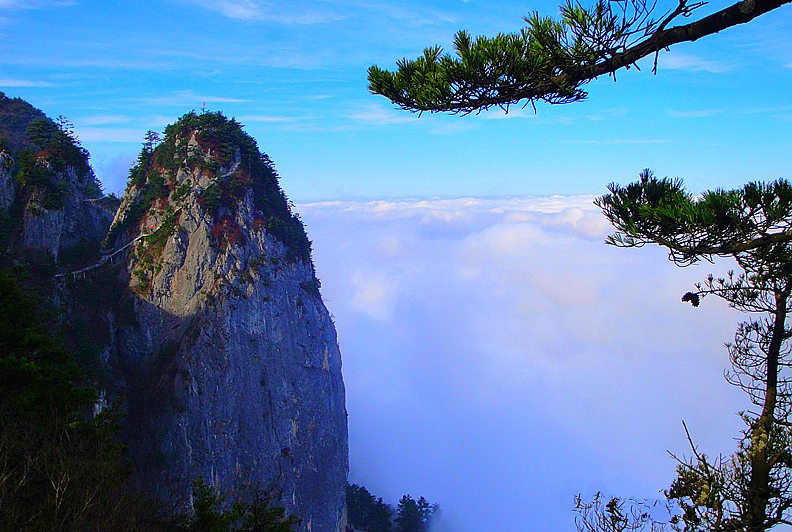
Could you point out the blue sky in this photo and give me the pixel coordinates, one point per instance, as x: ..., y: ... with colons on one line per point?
x: 498, y: 357
x: 294, y: 73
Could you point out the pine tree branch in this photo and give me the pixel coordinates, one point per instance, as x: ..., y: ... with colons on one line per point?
x: 739, y: 13
x: 548, y: 60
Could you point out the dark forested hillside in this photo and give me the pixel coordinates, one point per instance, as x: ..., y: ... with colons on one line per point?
x: 16, y: 115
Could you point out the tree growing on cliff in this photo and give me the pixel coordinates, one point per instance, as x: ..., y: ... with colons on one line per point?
x: 615, y: 515
x: 550, y: 60
x: 60, y: 469
x: 58, y: 140
x: 255, y: 510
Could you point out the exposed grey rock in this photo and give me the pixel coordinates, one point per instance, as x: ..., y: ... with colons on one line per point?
x: 218, y: 341
x: 7, y: 186
x: 58, y: 217
x: 232, y: 369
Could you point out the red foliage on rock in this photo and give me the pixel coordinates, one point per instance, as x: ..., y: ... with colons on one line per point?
x: 259, y: 223
x: 227, y: 233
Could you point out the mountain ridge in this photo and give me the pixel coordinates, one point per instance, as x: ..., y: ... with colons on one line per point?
x: 209, y: 326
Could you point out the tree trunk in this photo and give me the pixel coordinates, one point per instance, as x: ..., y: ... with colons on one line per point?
x: 761, y: 459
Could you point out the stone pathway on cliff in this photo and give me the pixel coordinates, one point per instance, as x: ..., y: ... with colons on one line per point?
x: 81, y: 273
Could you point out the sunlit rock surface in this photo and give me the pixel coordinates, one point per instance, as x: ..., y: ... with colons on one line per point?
x: 225, y: 352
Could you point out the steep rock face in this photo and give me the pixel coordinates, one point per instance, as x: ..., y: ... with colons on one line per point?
x: 50, y: 200
x: 7, y: 188
x: 227, y: 357
x: 53, y: 221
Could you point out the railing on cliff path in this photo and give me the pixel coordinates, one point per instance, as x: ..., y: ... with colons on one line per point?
x: 81, y: 273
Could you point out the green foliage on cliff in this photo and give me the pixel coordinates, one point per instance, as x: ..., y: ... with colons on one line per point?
x: 150, y: 185
x: 60, y: 469
x: 60, y: 476
x: 41, y: 151
x: 225, y: 142
x: 414, y: 515
x: 368, y: 512
x: 51, y: 148
x: 57, y: 144
x: 38, y: 376
x: 15, y: 116
x: 253, y: 511
x: 209, y: 142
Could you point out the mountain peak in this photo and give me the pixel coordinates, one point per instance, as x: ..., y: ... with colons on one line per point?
x: 206, y: 162
x: 231, y: 358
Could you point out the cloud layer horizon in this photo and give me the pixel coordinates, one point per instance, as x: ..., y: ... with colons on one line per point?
x: 499, y: 358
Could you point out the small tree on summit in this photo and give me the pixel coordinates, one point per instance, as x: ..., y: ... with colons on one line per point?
x: 150, y: 141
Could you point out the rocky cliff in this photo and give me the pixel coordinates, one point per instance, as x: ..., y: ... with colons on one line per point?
x: 7, y: 186
x: 201, y: 314
x: 51, y: 204
x: 226, y: 356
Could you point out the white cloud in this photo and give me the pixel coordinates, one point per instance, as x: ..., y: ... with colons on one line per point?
x: 101, y: 120
x: 114, y: 172
x: 188, y: 98
x: 48, y: 61
x: 767, y: 110
x: 374, y: 295
x: 374, y: 115
x: 157, y: 121
x: 266, y: 118
x: 420, y: 16
x: 488, y: 337
x: 523, y: 112
x: 681, y: 61
x: 34, y: 4
x: 705, y: 113
x: 12, y: 82
x: 510, y: 114
x: 700, y: 113
x: 605, y: 114
x: 110, y: 134
x: 306, y: 12
x: 252, y: 55
x: 452, y: 128
x: 240, y: 9
x: 617, y: 141
x: 253, y: 10
x: 221, y: 99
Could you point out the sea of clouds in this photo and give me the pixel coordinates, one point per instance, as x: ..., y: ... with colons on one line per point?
x: 499, y: 358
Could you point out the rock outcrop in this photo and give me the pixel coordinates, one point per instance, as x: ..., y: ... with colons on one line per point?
x: 202, y: 315
x: 226, y: 355
x: 62, y: 214
x: 7, y: 187
x: 51, y: 202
